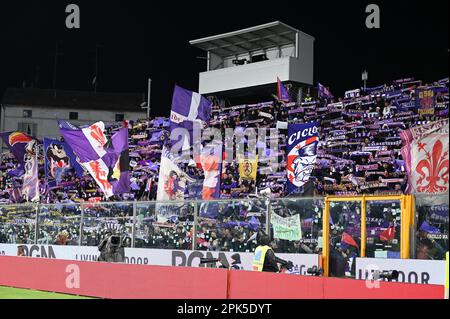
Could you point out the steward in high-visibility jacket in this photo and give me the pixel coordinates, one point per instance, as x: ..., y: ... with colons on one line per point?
x: 264, y: 258
x: 260, y: 257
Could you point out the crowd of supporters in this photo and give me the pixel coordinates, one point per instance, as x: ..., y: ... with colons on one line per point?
x: 359, y: 153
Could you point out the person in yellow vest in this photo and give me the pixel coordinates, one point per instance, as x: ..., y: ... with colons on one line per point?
x: 264, y: 259
x: 308, y: 98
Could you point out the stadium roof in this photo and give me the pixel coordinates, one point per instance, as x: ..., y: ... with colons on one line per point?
x: 270, y: 35
x: 73, y: 99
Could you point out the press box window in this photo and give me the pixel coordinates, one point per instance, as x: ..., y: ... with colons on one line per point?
x: 27, y: 113
x: 73, y: 116
x: 120, y: 117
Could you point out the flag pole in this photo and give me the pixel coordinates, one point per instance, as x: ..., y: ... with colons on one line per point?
x: 149, y: 97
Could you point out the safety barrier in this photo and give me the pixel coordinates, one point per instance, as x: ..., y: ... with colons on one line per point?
x: 106, y: 280
x: 383, y: 227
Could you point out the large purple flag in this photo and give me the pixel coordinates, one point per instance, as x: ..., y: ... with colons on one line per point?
x: 189, y: 106
x: 106, y: 160
x: 87, y: 143
x: 189, y: 109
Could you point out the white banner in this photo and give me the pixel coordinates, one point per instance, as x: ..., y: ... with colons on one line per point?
x: 156, y: 257
x: 414, y: 271
x: 288, y: 228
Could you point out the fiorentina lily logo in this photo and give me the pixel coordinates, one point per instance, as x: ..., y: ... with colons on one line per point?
x: 97, y: 134
x: 433, y: 170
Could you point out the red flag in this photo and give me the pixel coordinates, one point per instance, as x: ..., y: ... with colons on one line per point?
x: 388, y: 234
x: 346, y: 238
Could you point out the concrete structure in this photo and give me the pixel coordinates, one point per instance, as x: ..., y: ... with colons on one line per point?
x: 34, y: 111
x: 254, y: 58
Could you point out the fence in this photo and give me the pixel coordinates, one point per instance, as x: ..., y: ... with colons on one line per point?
x: 197, y: 225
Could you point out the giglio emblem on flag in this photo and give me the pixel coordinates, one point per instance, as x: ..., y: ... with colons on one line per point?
x: 426, y: 154
x: 106, y: 160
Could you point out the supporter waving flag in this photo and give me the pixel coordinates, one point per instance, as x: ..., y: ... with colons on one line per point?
x: 106, y: 160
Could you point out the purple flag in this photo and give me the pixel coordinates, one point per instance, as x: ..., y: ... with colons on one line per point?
x: 188, y: 109
x: 117, y: 160
x: 426, y: 227
x: 18, y: 143
x: 106, y: 160
x: 324, y: 92
x: 59, y: 157
x: 189, y: 106
x: 87, y: 143
x: 63, y: 124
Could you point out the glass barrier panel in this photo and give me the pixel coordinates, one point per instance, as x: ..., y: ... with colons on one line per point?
x: 345, y: 238
x: 432, y: 222
x: 296, y: 225
x: 164, y: 226
x: 17, y: 224
x: 383, y: 229
x: 101, y: 219
x: 59, y: 224
x: 230, y: 225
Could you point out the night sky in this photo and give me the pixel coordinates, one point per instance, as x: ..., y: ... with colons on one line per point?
x: 142, y: 39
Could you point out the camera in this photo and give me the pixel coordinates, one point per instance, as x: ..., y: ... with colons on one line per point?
x: 389, y: 275
x: 209, y: 260
x: 111, y: 249
x: 115, y: 240
x: 212, y: 261
x: 314, y: 271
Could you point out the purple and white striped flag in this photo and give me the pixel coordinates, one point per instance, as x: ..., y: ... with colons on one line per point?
x: 189, y: 106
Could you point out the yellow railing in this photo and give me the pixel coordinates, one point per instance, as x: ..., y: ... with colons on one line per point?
x: 407, y: 222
